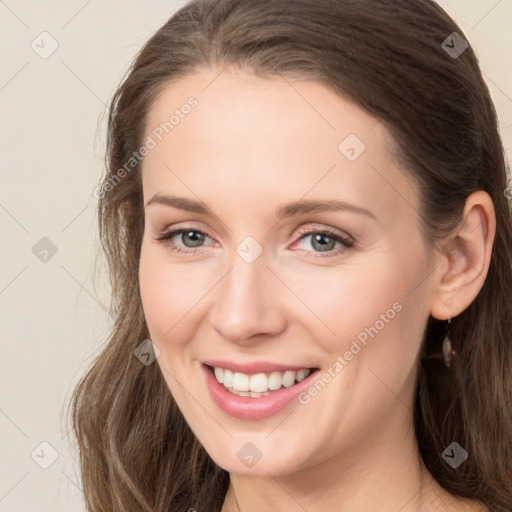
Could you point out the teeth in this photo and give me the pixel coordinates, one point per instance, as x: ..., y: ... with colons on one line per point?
x: 258, y: 384
x: 219, y: 374
x: 288, y: 379
x: 274, y: 381
x: 241, y: 382
x: 228, y: 378
x: 302, y: 374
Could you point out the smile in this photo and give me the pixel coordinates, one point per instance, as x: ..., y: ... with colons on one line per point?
x: 253, y: 405
x: 259, y: 384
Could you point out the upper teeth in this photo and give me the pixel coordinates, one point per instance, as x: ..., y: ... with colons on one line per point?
x: 259, y: 382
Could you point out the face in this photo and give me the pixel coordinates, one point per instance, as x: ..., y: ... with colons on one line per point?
x: 257, y: 286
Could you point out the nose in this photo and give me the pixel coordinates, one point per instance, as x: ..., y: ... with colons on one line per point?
x: 247, y: 305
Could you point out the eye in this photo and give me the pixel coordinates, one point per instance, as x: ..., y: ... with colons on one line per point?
x: 324, y: 241
x: 192, y: 238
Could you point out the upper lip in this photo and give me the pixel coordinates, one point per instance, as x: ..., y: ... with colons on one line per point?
x: 254, y: 367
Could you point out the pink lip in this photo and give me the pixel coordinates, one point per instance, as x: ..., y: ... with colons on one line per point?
x: 252, y: 368
x: 247, y: 408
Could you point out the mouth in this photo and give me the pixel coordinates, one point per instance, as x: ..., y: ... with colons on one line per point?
x: 257, y: 385
x: 253, y: 405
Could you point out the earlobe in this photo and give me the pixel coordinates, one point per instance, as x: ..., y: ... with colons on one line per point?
x: 464, y: 262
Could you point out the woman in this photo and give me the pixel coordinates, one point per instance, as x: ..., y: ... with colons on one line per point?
x: 309, y: 244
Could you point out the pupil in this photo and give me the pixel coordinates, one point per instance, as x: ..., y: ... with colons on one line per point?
x: 324, y: 246
x: 195, y: 236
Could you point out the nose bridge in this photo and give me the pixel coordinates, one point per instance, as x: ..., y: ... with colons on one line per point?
x: 246, y: 300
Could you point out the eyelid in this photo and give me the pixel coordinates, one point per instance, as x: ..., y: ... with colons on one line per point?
x: 344, y: 238
x: 347, y: 242
x: 170, y: 232
x: 309, y: 228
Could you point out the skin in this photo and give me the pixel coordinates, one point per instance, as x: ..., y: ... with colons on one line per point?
x: 250, y: 145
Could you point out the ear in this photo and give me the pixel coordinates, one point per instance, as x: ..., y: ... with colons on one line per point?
x: 463, y: 261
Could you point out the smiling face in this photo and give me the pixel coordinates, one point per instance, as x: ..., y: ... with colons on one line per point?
x: 344, y: 290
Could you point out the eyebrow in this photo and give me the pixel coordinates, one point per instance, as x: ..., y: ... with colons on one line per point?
x: 283, y: 211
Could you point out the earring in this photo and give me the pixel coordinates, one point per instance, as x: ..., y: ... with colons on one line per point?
x: 447, y: 347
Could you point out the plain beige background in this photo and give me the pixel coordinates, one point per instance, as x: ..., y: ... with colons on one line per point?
x: 53, y: 109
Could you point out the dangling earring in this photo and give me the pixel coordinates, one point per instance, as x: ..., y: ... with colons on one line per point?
x: 447, y: 347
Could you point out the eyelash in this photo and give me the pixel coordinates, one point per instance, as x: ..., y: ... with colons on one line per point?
x: 348, y: 243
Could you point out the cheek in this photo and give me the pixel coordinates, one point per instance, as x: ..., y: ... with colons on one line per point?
x: 370, y: 314
x: 167, y: 293
x: 176, y: 298
x: 343, y: 302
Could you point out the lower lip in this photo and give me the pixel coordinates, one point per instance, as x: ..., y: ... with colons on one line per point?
x: 248, y: 408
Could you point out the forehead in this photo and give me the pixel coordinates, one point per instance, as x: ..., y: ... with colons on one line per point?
x: 279, y: 138
x: 235, y: 102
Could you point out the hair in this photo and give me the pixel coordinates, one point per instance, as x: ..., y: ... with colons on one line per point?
x: 137, y: 452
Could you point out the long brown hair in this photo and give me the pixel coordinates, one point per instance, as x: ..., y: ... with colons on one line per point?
x: 137, y: 452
